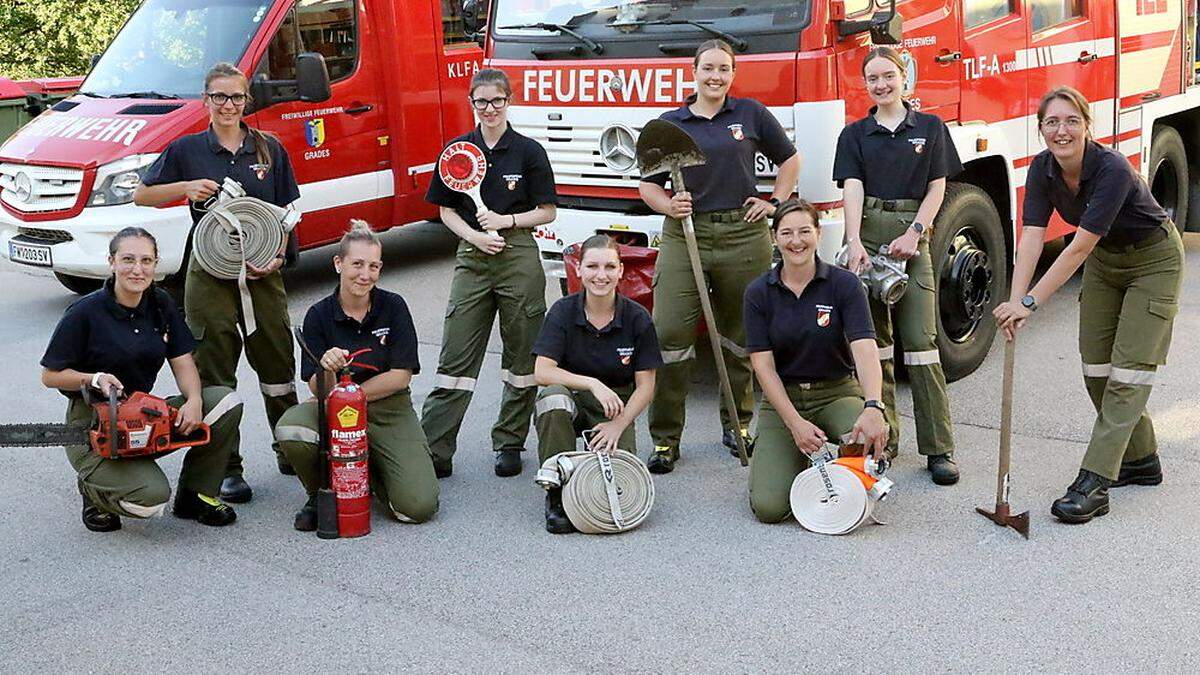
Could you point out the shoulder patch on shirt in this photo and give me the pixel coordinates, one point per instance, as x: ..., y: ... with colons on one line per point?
x: 824, y: 312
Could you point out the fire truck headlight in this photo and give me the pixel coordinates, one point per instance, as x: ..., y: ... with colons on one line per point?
x: 116, y: 181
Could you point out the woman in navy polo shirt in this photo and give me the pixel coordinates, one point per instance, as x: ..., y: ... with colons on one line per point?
x: 1132, y: 261
x: 731, y: 232
x: 893, y: 166
x: 118, y: 338
x: 596, y: 357
x: 808, y: 329
x: 360, y: 315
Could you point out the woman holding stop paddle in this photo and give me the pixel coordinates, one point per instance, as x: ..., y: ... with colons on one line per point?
x: 498, y: 269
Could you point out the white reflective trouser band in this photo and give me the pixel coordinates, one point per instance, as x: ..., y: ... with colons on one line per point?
x: 1097, y: 369
x: 518, y: 381
x: 451, y: 382
x: 593, y: 504
x: 295, y: 432
x: 886, y: 353
x: 274, y: 390
x: 139, y: 511
x: 927, y: 358
x: 1122, y: 375
x: 554, y: 402
x: 733, y: 347
x: 678, y: 355
x: 231, y: 401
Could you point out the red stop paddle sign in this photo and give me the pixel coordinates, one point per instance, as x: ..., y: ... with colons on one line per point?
x: 462, y: 167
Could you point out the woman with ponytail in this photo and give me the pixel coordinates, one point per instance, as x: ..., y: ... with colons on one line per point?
x: 193, y: 168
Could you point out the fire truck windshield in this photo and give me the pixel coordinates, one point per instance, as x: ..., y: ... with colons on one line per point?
x: 642, y: 28
x: 167, y: 46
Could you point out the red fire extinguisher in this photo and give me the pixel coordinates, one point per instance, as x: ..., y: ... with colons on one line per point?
x: 346, y: 411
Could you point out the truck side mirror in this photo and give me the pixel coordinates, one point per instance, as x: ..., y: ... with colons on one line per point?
x: 885, y: 27
x: 312, y: 77
x: 470, y: 16
x: 93, y: 61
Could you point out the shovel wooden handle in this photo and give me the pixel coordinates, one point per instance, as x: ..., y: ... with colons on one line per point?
x: 1006, y: 404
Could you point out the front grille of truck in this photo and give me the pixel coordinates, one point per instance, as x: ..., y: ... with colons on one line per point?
x: 33, y: 189
x: 45, y: 236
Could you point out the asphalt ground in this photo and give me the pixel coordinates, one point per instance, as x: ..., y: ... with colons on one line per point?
x: 700, y: 587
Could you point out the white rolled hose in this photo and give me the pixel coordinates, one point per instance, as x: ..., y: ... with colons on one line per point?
x: 598, y: 501
x: 235, y: 230
x: 829, y: 498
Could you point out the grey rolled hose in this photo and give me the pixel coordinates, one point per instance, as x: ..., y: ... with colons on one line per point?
x: 585, y: 495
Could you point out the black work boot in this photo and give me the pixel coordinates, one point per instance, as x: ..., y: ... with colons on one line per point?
x: 1145, y: 471
x: 235, y: 490
x: 443, y: 468
x: 942, y: 469
x: 202, y: 509
x: 285, y: 467
x: 557, y: 521
x: 306, y: 517
x: 508, y: 463
x: 1087, y: 498
x: 96, y: 520
x: 662, y: 460
x: 730, y: 442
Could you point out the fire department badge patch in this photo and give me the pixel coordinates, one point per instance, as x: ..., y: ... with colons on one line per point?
x: 823, y: 314
x: 260, y: 170
x: 625, y: 354
x: 511, y: 180
x: 736, y: 131
x: 918, y: 145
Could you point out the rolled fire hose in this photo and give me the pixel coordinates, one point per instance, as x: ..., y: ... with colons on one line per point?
x: 836, y: 496
x: 235, y: 230
x: 598, y: 501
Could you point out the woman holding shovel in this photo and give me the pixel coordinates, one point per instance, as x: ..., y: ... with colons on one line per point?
x: 1132, y: 261
x: 498, y: 270
x: 730, y: 220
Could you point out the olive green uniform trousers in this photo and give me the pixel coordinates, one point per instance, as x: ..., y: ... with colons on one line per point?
x: 833, y: 406
x: 914, y: 317
x: 137, y: 487
x: 562, y: 414
x: 732, y: 254
x: 512, y: 284
x: 213, y: 309
x: 1126, y: 313
x: 401, y: 471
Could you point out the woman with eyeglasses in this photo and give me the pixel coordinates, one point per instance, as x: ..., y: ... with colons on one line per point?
x: 118, y: 338
x: 193, y: 168
x: 498, y: 270
x: 1132, y: 260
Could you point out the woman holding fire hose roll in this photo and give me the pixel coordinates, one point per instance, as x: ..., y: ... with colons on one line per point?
x: 808, y: 329
x: 498, y: 269
x: 193, y: 167
x: 360, y: 315
x: 734, y: 243
x: 118, y: 338
x: 1132, y: 261
x: 596, y: 357
x: 893, y: 165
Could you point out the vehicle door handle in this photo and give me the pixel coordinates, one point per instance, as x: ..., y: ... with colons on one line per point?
x: 1088, y: 57
x: 948, y: 57
x: 358, y: 110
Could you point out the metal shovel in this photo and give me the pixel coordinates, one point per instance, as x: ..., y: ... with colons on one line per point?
x: 662, y: 146
x: 1003, y: 515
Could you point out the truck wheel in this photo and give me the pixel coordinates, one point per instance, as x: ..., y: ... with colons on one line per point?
x: 970, y: 268
x: 1169, y: 173
x: 80, y: 285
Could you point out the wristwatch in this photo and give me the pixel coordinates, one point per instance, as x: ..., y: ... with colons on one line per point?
x: 918, y: 226
x: 1029, y: 303
x: 872, y: 403
x: 774, y: 201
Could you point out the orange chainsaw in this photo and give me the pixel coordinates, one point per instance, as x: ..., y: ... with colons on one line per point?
x: 139, y: 426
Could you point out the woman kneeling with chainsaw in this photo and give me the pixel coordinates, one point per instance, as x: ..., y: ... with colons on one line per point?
x: 596, y: 357
x: 116, y: 340
x: 808, y: 329
x: 370, y: 331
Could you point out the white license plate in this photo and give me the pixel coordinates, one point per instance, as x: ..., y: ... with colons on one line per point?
x: 29, y: 254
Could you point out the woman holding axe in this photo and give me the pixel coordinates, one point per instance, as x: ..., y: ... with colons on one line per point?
x: 808, y: 329
x: 733, y: 240
x: 498, y: 269
x: 1132, y: 261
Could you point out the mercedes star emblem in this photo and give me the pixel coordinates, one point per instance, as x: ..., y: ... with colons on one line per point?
x: 23, y: 187
x: 617, y: 143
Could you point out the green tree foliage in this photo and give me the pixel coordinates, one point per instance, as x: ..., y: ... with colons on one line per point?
x: 52, y: 38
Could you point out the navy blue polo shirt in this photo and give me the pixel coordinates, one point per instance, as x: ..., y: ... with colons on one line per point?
x: 99, y: 335
x: 1113, y: 200
x: 809, y: 335
x: 387, y: 330
x: 896, y: 164
x: 612, y: 354
x: 729, y: 141
x: 518, y: 178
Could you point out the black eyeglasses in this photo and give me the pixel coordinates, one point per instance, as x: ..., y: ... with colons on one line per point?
x: 496, y: 103
x: 221, y: 98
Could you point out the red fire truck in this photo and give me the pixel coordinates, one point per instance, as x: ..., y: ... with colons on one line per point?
x: 393, y: 83
x: 589, y: 73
